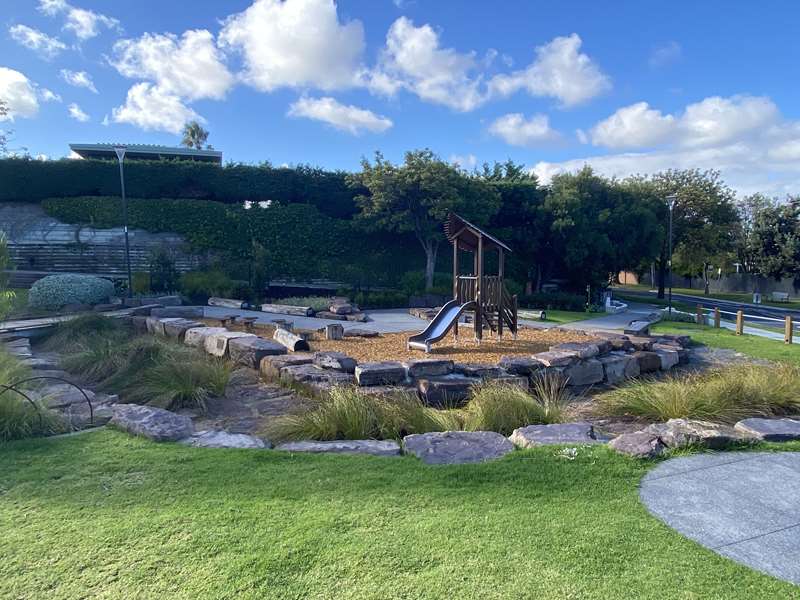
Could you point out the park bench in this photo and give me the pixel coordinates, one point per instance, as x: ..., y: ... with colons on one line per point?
x: 779, y: 296
x: 637, y: 328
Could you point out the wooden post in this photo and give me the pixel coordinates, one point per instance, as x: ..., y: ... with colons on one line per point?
x: 739, y: 322
x: 500, y: 258
x: 479, y: 291
x: 788, y: 330
x: 716, y: 317
x: 455, y: 284
x: 699, y: 317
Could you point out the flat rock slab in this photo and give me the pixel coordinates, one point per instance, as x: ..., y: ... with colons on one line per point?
x: 557, y: 433
x: 742, y: 505
x: 618, y: 367
x: 314, y: 374
x: 359, y: 332
x: 217, y: 344
x: 250, y: 351
x: 196, y: 337
x: 153, y: 423
x: 679, y: 433
x: 770, y: 430
x: 373, y: 447
x: 478, y: 370
x: 556, y: 358
x: 584, y: 372
x: 335, y: 361
x: 639, y: 444
x: 444, y: 392
x: 223, y: 439
x: 380, y: 373
x: 581, y: 349
x: 428, y: 367
x: 271, y: 365
x: 184, y: 312
x: 177, y: 329
x: 457, y: 447
x: 520, y: 365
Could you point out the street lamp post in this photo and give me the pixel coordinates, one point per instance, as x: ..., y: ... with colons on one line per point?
x: 671, y: 199
x: 120, y: 150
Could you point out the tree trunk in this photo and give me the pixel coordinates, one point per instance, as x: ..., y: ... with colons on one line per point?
x: 705, y: 279
x: 431, y: 250
x: 662, y: 276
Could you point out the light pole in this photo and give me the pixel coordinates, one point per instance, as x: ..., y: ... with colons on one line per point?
x: 671, y: 200
x: 120, y: 150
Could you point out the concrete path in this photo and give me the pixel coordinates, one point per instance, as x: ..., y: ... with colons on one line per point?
x: 615, y: 322
x: 742, y: 505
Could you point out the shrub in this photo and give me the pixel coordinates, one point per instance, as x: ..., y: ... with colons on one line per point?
x: 141, y: 282
x: 725, y: 395
x: 7, y: 296
x: 18, y: 418
x: 502, y: 407
x: 383, y: 299
x: 318, y: 303
x: 55, y: 291
x: 75, y: 334
x: 199, y: 286
x: 412, y: 283
x: 183, y: 384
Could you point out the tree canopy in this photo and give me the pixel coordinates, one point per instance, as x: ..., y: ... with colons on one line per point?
x: 194, y: 136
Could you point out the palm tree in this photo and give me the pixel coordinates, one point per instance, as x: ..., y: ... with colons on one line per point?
x: 194, y: 136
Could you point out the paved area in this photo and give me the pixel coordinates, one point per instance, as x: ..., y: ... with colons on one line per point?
x: 382, y: 321
x: 742, y: 505
x: 615, y: 322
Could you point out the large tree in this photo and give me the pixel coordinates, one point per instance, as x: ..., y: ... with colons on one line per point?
x: 774, y: 240
x: 417, y: 196
x: 3, y: 133
x: 704, y: 216
x: 194, y: 136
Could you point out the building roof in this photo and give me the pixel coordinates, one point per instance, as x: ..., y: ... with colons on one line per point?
x: 146, y: 152
x: 459, y: 230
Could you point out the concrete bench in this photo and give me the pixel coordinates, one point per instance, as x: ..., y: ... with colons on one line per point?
x: 637, y: 328
x: 779, y: 296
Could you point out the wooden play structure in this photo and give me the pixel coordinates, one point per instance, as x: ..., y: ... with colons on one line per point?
x: 485, y: 296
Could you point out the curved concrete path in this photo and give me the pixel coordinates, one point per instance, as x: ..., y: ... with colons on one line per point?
x: 742, y: 505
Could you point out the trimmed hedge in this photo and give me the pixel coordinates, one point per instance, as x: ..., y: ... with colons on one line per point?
x: 54, y: 291
x: 299, y: 240
x: 26, y: 180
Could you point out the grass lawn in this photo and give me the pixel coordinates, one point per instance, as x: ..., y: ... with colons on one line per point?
x: 751, y: 345
x: 106, y: 515
x: 569, y: 316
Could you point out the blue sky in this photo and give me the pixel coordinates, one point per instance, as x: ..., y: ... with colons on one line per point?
x: 625, y: 86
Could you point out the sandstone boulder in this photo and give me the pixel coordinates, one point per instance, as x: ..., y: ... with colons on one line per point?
x: 154, y: 423
x: 457, y: 447
x: 380, y: 373
x: 639, y: 444
x: 249, y: 351
x: 557, y: 433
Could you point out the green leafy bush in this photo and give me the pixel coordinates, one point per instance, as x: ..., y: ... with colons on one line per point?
x: 412, y: 283
x: 725, y: 395
x: 141, y: 282
x: 318, y: 303
x: 383, y: 299
x: 199, y: 286
x: 55, y: 291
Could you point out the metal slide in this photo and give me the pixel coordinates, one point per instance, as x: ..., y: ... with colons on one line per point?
x: 439, y: 326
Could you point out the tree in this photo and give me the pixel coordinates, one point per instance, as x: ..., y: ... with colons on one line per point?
x: 194, y: 136
x: 7, y: 295
x: 774, y: 241
x: 704, y: 216
x: 3, y: 134
x: 417, y: 196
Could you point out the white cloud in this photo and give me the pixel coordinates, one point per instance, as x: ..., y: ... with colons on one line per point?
x: 190, y: 66
x: 347, y: 118
x: 414, y: 59
x: 711, y: 121
x: 468, y: 162
x: 560, y: 71
x: 78, y: 79
x: 666, y: 54
x: 106, y: 121
x: 41, y: 43
x: 150, y: 108
x: 297, y: 43
x: 48, y: 95
x: 636, y: 125
x: 18, y: 93
x: 76, y: 113
x: 743, y: 137
x: 516, y: 130
x: 85, y: 24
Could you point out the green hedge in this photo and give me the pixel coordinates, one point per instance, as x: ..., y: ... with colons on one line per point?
x: 299, y: 240
x: 26, y: 180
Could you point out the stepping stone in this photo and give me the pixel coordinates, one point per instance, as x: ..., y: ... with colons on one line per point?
x: 335, y: 361
x: 585, y: 372
x: 372, y: 447
x: 639, y: 444
x: 457, y: 447
x: 223, y: 439
x: 196, y: 337
x: 678, y: 433
x: 380, y: 373
x: 770, y: 430
x: 153, y: 423
x: 428, y: 367
x: 249, y: 351
x: 557, y: 433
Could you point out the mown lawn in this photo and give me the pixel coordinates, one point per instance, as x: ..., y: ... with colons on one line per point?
x: 106, y: 515
x: 758, y: 347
